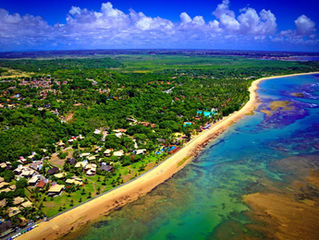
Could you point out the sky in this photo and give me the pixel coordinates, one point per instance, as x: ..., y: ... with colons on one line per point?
x: 272, y: 25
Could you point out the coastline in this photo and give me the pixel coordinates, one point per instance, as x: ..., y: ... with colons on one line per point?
x: 92, y: 210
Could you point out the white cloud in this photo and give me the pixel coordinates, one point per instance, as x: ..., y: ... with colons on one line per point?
x: 252, y: 23
x: 112, y: 28
x: 305, y: 26
x: 304, y: 34
x: 226, y: 16
x: 185, y: 18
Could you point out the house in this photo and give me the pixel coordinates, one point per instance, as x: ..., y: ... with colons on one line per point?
x: 18, y: 170
x: 173, y: 149
x: 90, y: 172
x: 98, y: 149
x: 206, y: 127
x: 3, y: 203
x: 119, y: 134
x: 22, y: 160
x: 91, y: 158
x: 36, y: 165
x: 13, y: 211
x: 80, y: 137
x: 97, y: 131
x: 18, y: 200
x: 71, y: 161
x: 90, y: 166
x: 26, y: 204
x: 135, y: 143
x: 81, y: 164
x: 105, y: 167
x: 55, y: 190
x: 120, y: 130
x: 9, y: 165
x: 3, y: 165
x: 84, y: 155
x: 27, y: 173
x: 1, y: 179
x: 119, y: 153
x: 139, y: 151
x: 90, y: 169
x: 41, y: 184
x: 4, y: 184
x: 74, y: 181
x: 33, y: 180
x: 53, y: 170
x: 13, y: 187
x: 131, y: 119
x: 5, y: 190
x: 61, y: 143
x: 107, y: 152
x: 60, y: 175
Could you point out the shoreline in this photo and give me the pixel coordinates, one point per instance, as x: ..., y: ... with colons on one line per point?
x: 71, y: 220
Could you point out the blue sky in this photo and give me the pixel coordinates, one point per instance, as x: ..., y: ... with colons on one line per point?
x: 225, y: 24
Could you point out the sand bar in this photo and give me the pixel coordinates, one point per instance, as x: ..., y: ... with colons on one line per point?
x: 92, y: 210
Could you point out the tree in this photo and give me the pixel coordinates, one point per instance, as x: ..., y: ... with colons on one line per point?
x: 8, y: 175
x: 22, y: 183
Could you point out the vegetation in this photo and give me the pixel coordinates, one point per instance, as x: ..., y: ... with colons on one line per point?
x: 104, y: 109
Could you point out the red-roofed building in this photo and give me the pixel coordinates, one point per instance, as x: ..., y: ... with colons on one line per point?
x: 40, y: 184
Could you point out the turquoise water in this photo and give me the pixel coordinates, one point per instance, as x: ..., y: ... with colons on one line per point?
x: 204, y: 200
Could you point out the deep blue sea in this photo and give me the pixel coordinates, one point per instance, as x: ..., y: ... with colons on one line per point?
x: 259, y: 154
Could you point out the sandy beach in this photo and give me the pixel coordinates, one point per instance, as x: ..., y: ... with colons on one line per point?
x: 71, y: 220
